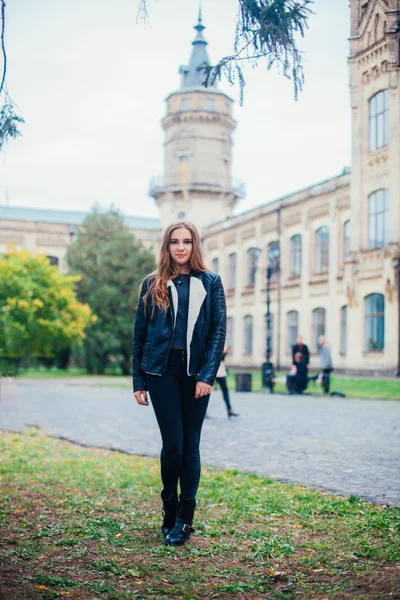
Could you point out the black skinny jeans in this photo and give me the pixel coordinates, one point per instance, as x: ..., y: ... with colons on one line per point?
x: 224, y: 387
x: 180, y: 418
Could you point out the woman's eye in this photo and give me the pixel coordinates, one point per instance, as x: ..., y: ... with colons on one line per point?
x: 173, y: 242
x: 188, y: 242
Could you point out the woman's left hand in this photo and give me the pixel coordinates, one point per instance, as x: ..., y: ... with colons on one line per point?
x: 202, y: 389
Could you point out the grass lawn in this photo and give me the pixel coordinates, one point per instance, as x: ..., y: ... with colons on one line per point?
x: 352, y: 387
x: 85, y: 524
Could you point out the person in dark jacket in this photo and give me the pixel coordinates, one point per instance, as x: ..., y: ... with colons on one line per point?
x: 300, y: 347
x: 296, y: 381
x: 178, y: 343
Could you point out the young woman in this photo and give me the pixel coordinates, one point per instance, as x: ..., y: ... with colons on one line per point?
x: 178, y: 343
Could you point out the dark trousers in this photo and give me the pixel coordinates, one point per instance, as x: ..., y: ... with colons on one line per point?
x: 224, y: 387
x: 180, y: 418
x: 296, y: 384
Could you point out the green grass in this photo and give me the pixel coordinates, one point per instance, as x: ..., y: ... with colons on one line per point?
x: 352, y: 387
x: 85, y: 524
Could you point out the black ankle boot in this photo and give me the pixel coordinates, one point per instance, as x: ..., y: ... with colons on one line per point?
x: 169, y: 509
x: 182, y: 529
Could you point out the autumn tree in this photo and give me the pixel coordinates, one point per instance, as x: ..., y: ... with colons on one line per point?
x: 39, y: 310
x: 111, y: 264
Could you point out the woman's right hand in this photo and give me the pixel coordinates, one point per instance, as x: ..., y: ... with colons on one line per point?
x: 141, y: 397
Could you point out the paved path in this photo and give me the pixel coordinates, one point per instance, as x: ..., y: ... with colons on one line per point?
x: 344, y: 445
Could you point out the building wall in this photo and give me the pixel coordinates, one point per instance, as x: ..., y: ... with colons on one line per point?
x: 52, y: 239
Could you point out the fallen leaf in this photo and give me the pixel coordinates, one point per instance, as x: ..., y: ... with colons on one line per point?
x: 16, y: 512
x: 41, y: 587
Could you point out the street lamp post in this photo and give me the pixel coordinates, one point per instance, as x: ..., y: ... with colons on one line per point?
x: 267, y: 368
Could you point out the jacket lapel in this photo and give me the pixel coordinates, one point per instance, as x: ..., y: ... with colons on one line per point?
x: 197, y: 294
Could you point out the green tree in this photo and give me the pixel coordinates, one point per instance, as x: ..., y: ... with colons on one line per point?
x: 39, y: 311
x: 112, y: 264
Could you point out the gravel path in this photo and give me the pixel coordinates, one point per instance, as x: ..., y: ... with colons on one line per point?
x: 347, y: 446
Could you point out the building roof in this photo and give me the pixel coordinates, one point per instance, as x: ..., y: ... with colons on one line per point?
x: 193, y: 75
x: 68, y: 217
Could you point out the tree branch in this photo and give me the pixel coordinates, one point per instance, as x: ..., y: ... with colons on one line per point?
x: 2, y: 43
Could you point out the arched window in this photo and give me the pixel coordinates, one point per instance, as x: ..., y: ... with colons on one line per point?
x: 251, y: 266
x: 343, y: 330
x: 215, y: 265
x: 248, y: 335
x: 274, y: 256
x: 232, y: 271
x: 346, y: 239
x: 318, y: 326
x: 229, y: 332
x: 379, y: 120
x: 322, y: 250
x: 295, y: 256
x: 378, y: 219
x: 209, y: 104
x: 54, y: 260
x: 374, y: 322
x: 184, y: 104
x: 292, y: 328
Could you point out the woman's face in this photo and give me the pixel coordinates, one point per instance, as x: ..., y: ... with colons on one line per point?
x: 181, y: 246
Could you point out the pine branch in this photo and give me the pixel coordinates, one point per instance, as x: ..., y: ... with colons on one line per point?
x: 2, y: 43
x: 9, y: 122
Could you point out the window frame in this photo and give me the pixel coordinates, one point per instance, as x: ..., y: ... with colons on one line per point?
x: 346, y: 239
x: 343, y: 329
x: 322, y: 250
x: 291, y: 339
x: 370, y: 318
x: 251, y: 267
x: 295, y: 256
x: 232, y: 265
x: 378, y: 120
x: 318, y: 326
x: 215, y: 265
x: 378, y: 219
x: 248, y: 331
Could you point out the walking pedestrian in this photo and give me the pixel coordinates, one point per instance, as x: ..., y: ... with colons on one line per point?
x: 223, y: 384
x: 299, y: 346
x: 325, y: 361
x: 179, y: 338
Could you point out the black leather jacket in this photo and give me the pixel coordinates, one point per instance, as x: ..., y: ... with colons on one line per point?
x: 207, y: 318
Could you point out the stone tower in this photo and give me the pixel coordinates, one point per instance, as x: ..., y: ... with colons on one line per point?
x: 197, y: 183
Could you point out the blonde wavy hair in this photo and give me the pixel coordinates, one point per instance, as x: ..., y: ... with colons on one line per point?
x: 167, y: 269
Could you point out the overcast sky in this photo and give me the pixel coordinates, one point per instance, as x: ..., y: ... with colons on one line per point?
x: 91, y: 83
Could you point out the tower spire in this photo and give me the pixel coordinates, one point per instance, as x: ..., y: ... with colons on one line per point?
x: 193, y: 74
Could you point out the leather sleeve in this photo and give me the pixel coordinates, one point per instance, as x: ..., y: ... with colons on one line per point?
x: 216, y: 340
x: 139, y: 339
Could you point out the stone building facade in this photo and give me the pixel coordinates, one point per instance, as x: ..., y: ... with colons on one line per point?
x: 338, y: 241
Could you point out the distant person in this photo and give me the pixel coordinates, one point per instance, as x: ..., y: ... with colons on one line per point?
x: 296, y: 381
x: 221, y: 380
x: 300, y: 347
x: 325, y: 361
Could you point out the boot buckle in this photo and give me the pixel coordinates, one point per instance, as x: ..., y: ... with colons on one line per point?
x: 186, y: 528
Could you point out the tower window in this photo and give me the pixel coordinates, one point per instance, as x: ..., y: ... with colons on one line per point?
x: 209, y: 104
x: 184, y: 158
x: 379, y: 120
x: 185, y: 104
x: 181, y: 216
x: 378, y: 219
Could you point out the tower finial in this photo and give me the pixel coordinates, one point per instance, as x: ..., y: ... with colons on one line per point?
x: 199, y: 19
